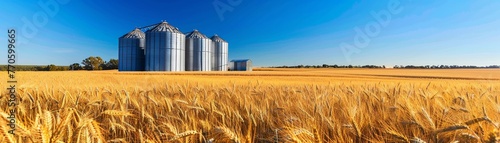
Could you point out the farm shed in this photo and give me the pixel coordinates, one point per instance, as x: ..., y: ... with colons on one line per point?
x: 241, y: 65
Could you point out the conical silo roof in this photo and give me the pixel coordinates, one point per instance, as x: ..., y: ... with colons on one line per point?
x: 216, y: 38
x: 196, y: 34
x: 164, y: 27
x: 136, y: 33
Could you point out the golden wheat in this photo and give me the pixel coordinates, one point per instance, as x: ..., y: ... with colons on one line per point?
x: 268, y: 105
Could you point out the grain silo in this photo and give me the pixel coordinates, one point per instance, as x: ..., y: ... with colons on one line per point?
x: 220, y: 53
x: 199, y: 52
x: 165, y: 48
x: 131, y: 51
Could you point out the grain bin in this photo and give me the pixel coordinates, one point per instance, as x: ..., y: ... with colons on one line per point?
x: 131, y: 51
x: 199, y: 52
x: 165, y: 48
x: 220, y: 54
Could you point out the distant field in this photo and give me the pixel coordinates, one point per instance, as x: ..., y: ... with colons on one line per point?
x: 265, y: 105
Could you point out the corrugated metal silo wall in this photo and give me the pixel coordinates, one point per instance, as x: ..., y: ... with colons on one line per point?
x: 213, y: 57
x: 220, y: 56
x: 183, y: 52
x: 131, y: 54
x: 164, y: 51
x: 199, y: 54
x: 189, y: 55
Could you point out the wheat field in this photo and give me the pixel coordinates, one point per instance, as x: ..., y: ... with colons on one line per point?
x: 266, y: 105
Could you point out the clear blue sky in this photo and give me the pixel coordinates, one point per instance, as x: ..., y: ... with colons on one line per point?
x: 291, y: 32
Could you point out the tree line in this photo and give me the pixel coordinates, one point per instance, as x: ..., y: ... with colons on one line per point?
x: 396, y: 66
x: 331, y: 66
x: 95, y: 63
x: 90, y: 63
x: 444, y: 67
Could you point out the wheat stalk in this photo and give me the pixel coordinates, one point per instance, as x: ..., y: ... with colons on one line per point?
x: 117, y: 113
x: 397, y: 135
x: 451, y: 128
x: 184, y: 134
x: 416, y: 140
x: 223, y: 134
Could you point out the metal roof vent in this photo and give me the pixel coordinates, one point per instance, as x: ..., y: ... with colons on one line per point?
x: 136, y: 33
x: 164, y: 26
x: 196, y: 34
x: 216, y: 38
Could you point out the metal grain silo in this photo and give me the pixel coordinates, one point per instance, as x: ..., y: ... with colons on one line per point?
x: 165, y: 48
x: 131, y: 51
x: 220, y: 53
x: 199, y: 52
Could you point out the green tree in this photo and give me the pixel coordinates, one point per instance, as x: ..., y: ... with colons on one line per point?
x: 75, y: 66
x: 52, y: 67
x: 112, y: 64
x: 63, y: 68
x: 92, y: 63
